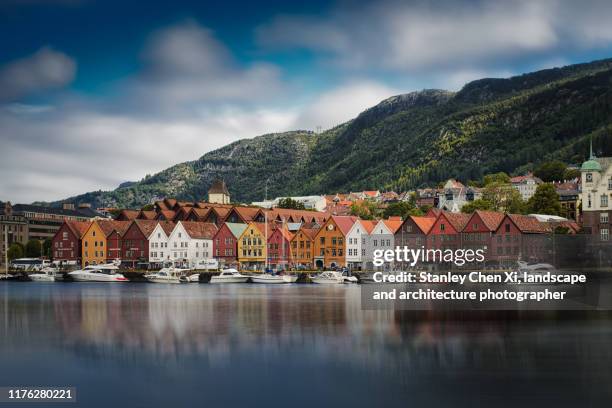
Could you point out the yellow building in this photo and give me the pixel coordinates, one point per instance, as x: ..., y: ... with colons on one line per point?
x: 93, y: 246
x: 252, y: 246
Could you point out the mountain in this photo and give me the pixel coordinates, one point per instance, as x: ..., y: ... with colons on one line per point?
x: 406, y: 141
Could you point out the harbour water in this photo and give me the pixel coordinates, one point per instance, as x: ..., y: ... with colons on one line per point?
x: 145, y: 345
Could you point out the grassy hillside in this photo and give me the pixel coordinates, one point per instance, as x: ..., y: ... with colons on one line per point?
x: 408, y: 141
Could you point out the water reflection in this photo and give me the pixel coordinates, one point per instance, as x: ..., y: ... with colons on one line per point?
x: 318, y: 334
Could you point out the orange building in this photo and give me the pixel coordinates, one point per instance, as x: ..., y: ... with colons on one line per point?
x: 302, y: 247
x: 330, y: 242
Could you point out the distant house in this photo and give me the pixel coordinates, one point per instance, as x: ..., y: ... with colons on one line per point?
x: 158, y: 243
x: 302, y: 246
x: 330, y: 248
x: 356, y: 243
x: 526, y: 185
x: 191, y: 242
x: 252, y: 246
x: 279, y: 248
x: 382, y: 237
x: 413, y: 234
x: 218, y: 193
x: 455, y: 195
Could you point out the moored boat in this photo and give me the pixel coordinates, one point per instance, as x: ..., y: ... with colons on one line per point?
x: 45, y: 275
x: 169, y: 275
x: 229, y: 275
x: 290, y: 278
x: 328, y: 277
x: 267, y: 278
x: 98, y: 273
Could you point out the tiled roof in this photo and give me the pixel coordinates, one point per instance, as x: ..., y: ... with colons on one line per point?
x: 457, y: 220
x: 147, y: 215
x: 167, y: 214
x: 128, y: 215
x: 167, y: 226
x: 297, y: 215
x: 78, y: 228
x: 344, y: 222
x: 491, y: 219
x: 247, y: 214
x: 200, y: 230
x: 368, y: 225
x: 393, y: 223
x: 424, y: 223
x: 200, y: 213
x: 218, y: 187
x: 110, y: 226
x: 528, y: 224
x: 146, y: 226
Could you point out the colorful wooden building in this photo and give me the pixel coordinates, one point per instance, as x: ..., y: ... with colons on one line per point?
x: 330, y: 242
x: 225, y: 242
x: 252, y: 246
x: 66, y: 243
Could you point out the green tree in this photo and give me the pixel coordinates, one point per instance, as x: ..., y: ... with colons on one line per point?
x: 400, y: 208
x: 365, y: 210
x: 479, y: 204
x: 15, y: 251
x: 551, y: 171
x: 503, y: 197
x: 148, y: 207
x: 545, y: 200
x: 571, y: 174
x: 290, y: 203
x: 500, y: 177
x: 33, y: 248
x: 47, y: 244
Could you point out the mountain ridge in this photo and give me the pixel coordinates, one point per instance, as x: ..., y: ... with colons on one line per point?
x: 405, y: 141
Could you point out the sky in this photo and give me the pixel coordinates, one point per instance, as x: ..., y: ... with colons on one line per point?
x: 94, y: 93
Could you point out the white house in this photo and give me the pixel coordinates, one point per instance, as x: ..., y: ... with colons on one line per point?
x: 355, y: 242
x: 526, y: 185
x: 191, y: 242
x: 158, y: 243
x: 315, y: 202
x: 382, y: 237
x: 456, y: 195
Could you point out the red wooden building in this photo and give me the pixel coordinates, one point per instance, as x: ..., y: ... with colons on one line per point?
x: 135, y: 243
x: 225, y: 242
x: 279, y: 248
x: 446, y: 231
x: 66, y: 242
x: 479, y: 232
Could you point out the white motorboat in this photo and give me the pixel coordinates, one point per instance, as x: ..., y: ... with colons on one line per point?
x: 290, y: 278
x: 350, y: 279
x: 98, y: 273
x: 194, y: 278
x: 230, y: 275
x: 535, y: 267
x: 206, y: 265
x: 328, y: 277
x: 169, y: 275
x: 45, y: 275
x: 267, y: 278
x: 6, y: 276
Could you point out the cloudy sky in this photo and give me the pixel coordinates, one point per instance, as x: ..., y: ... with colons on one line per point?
x: 97, y: 92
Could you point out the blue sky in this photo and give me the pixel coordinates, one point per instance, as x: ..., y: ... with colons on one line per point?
x: 94, y: 93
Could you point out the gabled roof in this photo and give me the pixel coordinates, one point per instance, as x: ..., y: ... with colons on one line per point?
x: 78, y: 228
x: 423, y: 223
x: 393, y: 223
x: 166, y: 214
x: 167, y: 226
x: 218, y: 187
x: 311, y: 233
x: 296, y: 215
x: 199, y: 213
x: 433, y: 212
x: 236, y: 228
x: 528, y: 224
x: 127, y: 215
x: 368, y: 225
x: 491, y: 219
x: 457, y: 220
x: 344, y: 222
x: 200, y: 230
x: 284, y: 232
x: 146, y: 226
x: 147, y: 215
x: 246, y: 214
x: 110, y: 226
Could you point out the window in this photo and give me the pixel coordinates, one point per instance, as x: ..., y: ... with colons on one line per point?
x: 610, y: 183
x: 603, y: 218
x: 605, y: 234
x: 604, y: 200
x: 442, y: 227
x: 507, y: 227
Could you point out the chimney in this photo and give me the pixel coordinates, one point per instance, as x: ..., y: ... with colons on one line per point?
x: 68, y: 206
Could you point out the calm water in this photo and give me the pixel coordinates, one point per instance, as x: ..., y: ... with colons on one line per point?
x: 147, y: 345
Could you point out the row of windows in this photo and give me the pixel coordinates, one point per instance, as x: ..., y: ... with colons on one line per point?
x: 255, y: 252
x: 302, y: 244
x: 96, y: 243
x: 334, y: 241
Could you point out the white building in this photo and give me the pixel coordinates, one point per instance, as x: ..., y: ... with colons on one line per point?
x: 158, y: 243
x: 382, y: 237
x: 191, y: 242
x: 456, y: 195
x: 315, y: 202
x: 526, y: 185
x: 355, y: 243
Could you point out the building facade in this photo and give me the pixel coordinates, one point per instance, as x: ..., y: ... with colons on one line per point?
x: 330, y: 242
x: 252, y: 246
x: 225, y: 243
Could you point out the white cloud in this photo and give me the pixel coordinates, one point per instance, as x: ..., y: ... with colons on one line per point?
x: 43, y: 70
x: 425, y: 36
x: 342, y: 103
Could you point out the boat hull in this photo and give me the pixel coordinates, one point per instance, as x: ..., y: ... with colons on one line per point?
x: 97, y: 277
x: 268, y: 279
x: 290, y: 278
x: 327, y: 281
x: 36, y: 277
x: 230, y: 279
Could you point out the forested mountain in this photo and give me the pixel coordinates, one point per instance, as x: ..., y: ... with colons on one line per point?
x: 407, y: 141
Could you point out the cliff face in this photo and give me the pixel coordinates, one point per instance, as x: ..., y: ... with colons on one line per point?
x: 406, y: 141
